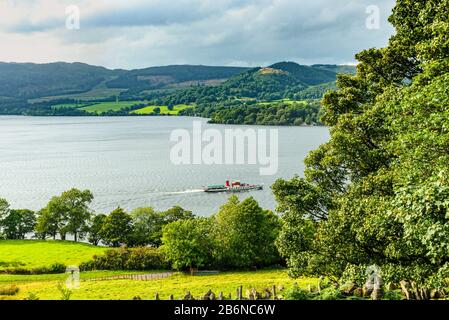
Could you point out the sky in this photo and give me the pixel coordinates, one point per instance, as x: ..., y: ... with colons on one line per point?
x: 135, y: 34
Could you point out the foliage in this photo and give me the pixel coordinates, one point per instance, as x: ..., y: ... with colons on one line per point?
x: 96, y: 229
x: 127, y: 259
x: 188, y: 243
x: 12, y: 290
x: 274, y: 113
x: 68, y: 213
x: 297, y: 293
x: 65, y: 292
x: 148, y: 224
x: 18, y: 224
x: 376, y: 193
x: 245, y: 234
x: 117, y: 228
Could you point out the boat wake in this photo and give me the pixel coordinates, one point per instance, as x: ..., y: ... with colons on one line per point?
x: 186, y: 191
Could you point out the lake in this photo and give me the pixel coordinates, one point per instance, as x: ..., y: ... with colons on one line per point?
x: 125, y: 161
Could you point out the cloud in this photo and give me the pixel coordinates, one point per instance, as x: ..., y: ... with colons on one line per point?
x: 138, y: 33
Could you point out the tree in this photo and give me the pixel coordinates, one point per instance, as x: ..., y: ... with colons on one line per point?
x: 96, y: 229
x: 47, y: 224
x: 148, y: 224
x: 376, y: 193
x: 71, y: 211
x: 117, y: 228
x: 188, y: 243
x: 4, y: 208
x: 18, y: 224
x: 246, y: 234
x: 4, y: 211
x: 147, y: 227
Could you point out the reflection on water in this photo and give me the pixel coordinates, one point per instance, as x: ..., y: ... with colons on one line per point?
x: 125, y: 161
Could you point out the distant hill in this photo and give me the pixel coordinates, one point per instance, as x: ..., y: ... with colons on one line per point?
x: 180, y: 75
x: 29, y: 80
x: 283, y: 80
x: 27, y: 88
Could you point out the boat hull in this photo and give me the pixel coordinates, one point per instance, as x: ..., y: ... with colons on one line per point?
x: 234, y: 189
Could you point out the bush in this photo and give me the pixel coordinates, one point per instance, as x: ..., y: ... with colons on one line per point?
x: 53, y: 269
x: 330, y: 294
x: 393, y: 295
x: 296, y: 293
x: 127, y: 259
x: 9, y: 291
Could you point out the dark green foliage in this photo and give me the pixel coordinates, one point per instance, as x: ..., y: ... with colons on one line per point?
x: 189, y: 243
x: 18, y: 223
x: 55, y: 268
x: 117, y: 228
x: 138, y: 259
x: 296, y: 293
x: 275, y: 113
x: 67, y: 213
x: 96, y: 229
x: 241, y: 235
x: 377, y: 193
x: 245, y: 235
x: 28, y: 80
x: 148, y: 224
x: 158, y: 77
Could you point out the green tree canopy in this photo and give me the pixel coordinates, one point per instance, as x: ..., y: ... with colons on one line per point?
x: 245, y: 234
x: 376, y: 193
x: 96, y: 229
x: 71, y: 211
x: 18, y: 224
x: 188, y: 243
x: 117, y: 228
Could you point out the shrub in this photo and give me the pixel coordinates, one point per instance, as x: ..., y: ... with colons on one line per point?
x: 393, y: 295
x: 127, y: 259
x: 330, y: 294
x: 9, y: 291
x: 296, y: 293
x: 53, y: 269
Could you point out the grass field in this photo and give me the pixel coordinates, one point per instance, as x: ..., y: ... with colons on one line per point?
x: 164, y: 109
x: 46, y: 287
x: 30, y: 254
x: 110, y: 106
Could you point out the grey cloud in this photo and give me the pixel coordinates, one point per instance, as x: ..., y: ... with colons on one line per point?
x: 221, y: 32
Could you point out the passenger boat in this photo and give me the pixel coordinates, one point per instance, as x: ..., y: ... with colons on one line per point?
x: 233, y: 187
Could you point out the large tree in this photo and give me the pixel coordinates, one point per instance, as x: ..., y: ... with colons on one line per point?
x: 18, y: 224
x: 71, y: 211
x: 376, y: 193
x: 246, y: 234
x: 189, y: 243
x: 117, y: 228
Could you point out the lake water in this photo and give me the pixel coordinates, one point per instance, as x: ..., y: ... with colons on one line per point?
x: 125, y: 161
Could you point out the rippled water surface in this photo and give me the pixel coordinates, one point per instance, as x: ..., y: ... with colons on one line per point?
x: 126, y: 161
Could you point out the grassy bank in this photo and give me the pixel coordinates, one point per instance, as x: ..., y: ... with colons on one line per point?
x: 46, y: 286
x: 30, y: 254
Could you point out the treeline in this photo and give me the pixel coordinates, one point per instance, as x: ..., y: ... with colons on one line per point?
x: 240, y: 235
x: 274, y: 113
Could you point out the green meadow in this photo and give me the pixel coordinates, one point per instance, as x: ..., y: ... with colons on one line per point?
x: 110, y: 106
x: 163, y: 110
x: 92, y: 288
x: 30, y: 254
